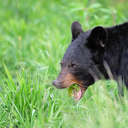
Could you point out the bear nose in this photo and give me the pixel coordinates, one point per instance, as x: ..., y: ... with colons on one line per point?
x: 54, y: 82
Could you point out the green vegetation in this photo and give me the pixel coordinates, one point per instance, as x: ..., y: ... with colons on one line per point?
x: 33, y: 38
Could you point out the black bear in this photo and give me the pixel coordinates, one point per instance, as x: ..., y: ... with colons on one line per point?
x: 94, y: 54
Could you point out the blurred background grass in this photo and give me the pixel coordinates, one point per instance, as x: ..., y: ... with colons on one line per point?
x: 33, y: 39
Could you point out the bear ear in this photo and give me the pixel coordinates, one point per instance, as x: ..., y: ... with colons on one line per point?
x: 76, y: 29
x: 97, y: 37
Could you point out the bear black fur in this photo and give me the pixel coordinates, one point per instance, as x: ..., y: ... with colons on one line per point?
x: 101, y: 52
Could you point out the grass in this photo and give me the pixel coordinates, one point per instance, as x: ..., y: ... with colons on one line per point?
x: 33, y: 38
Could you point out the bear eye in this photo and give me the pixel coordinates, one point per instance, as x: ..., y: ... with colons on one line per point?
x: 73, y: 65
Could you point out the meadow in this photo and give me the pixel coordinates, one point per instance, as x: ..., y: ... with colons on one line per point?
x: 33, y: 38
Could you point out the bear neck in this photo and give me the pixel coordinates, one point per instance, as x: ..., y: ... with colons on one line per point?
x: 116, y: 44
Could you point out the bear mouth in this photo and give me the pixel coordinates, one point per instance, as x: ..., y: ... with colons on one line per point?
x: 77, y: 91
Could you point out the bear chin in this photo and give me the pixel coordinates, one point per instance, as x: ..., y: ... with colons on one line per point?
x: 77, y: 94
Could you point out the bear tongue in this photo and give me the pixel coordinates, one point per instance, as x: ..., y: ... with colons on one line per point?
x: 78, y: 94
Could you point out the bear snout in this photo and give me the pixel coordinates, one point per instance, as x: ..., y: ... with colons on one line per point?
x: 57, y: 84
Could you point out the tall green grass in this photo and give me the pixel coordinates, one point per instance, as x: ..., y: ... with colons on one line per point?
x: 33, y: 38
